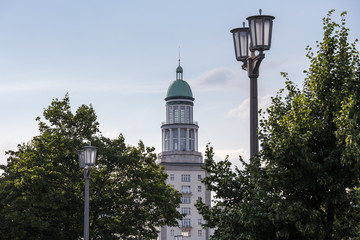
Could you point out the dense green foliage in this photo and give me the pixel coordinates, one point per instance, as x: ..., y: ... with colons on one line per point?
x: 304, y: 183
x: 42, y: 187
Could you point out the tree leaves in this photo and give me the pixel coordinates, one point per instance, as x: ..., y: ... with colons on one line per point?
x: 42, y: 187
x: 304, y: 183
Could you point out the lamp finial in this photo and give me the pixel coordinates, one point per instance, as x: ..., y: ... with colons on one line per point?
x: 243, y: 24
x: 260, y: 11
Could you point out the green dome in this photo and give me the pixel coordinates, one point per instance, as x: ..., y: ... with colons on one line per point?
x: 179, y: 89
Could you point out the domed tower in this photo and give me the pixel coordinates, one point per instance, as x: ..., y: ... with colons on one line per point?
x: 182, y: 161
x: 179, y: 131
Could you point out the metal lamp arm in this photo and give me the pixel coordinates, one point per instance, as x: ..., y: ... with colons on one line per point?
x: 253, y: 65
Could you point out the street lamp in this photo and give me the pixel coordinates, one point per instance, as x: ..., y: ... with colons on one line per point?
x: 87, y: 158
x: 247, y: 40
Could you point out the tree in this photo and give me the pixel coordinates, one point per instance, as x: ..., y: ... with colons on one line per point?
x: 304, y: 183
x: 42, y: 187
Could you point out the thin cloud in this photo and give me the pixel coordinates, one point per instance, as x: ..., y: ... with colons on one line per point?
x: 242, y: 111
x: 232, y: 155
x: 79, y: 85
x: 211, y: 80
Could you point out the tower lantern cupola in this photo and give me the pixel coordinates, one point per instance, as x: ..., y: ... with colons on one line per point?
x: 179, y: 72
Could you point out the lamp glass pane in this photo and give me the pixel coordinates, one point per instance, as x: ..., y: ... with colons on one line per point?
x: 267, y: 33
x: 237, y: 44
x: 252, y: 32
x: 81, y: 158
x: 244, y: 46
x: 259, y: 31
x: 249, y: 43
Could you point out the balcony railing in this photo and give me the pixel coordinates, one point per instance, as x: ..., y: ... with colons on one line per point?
x: 186, y: 192
x: 194, y: 122
x: 186, y: 226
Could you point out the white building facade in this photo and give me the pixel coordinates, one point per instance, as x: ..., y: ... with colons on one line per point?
x: 182, y: 161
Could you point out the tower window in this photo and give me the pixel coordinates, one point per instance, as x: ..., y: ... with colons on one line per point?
x: 187, y: 115
x: 171, y: 114
x: 182, y: 114
x: 183, y: 139
x: 175, y: 134
x: 176, y: 114
x: 167, y: 140
x: 191, y: 140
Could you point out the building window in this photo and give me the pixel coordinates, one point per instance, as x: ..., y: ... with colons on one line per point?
x: 186, y: 222
x: 199, y: 233
x: 185, y: 177
x: 199, y: 221
x: 185, y: 200
x: 199, y: 188
x: 185, y: 211
x: 199, y: 177
x: 172, y: 232
x: 186, y: 233
x: 172, y: 177
x: 185, y: 189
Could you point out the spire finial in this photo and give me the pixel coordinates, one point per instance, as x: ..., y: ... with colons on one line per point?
x: 260, y: 11
x: 243, y: 24
x: 179, y: 55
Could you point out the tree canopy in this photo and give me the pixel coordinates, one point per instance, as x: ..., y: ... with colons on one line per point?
x: 304, y: 182
x: 42, y: 187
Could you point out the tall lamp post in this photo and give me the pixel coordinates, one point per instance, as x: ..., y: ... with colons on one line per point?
x: 247, y: 40
x: 87, y: 158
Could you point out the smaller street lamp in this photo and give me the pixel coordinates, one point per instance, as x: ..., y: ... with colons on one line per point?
x: 247, y: 40
x: 87, y: 158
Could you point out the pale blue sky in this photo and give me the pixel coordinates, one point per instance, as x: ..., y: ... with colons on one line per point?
x: 121, y: 56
